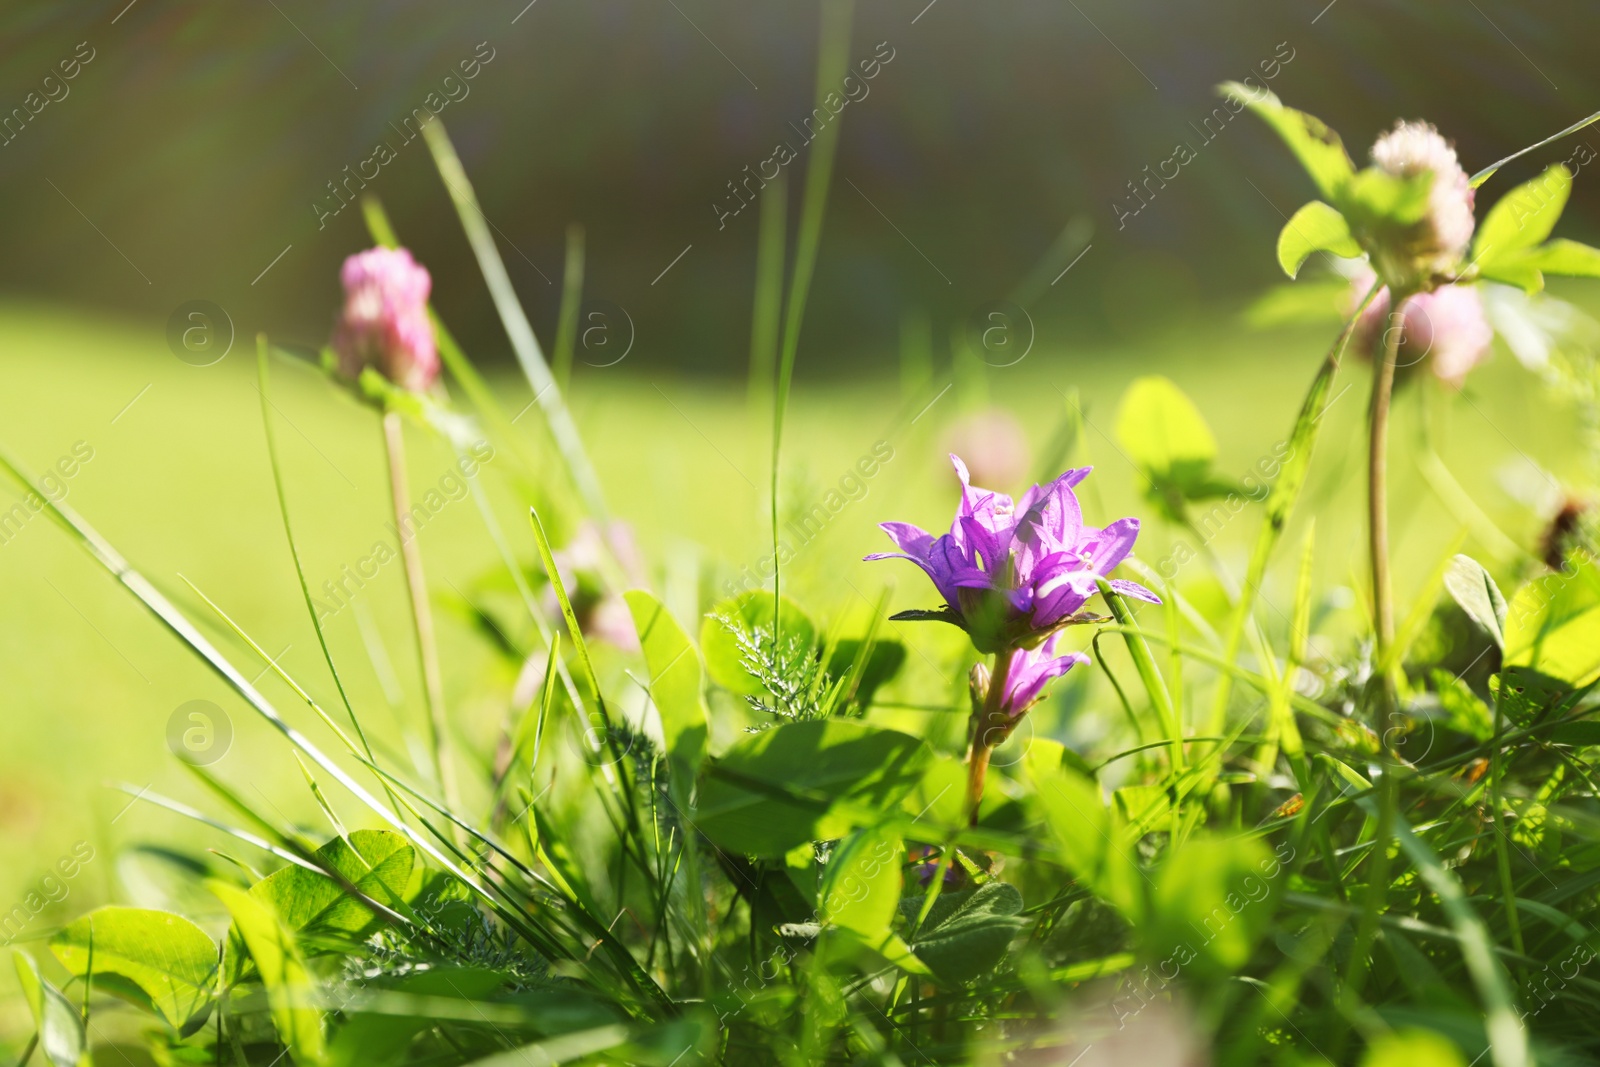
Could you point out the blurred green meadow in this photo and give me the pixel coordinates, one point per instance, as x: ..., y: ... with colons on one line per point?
x: 177, y: 477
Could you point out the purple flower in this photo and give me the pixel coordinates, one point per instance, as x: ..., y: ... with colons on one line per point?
x: 1030, y: 670
x: 925, y: 863
x: 385, y: 323
x: 1011, y: 572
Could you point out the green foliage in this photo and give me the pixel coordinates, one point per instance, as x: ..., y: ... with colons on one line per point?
x: 860, y: 894
x: 163, y: 961
x: 1374, y: 200
x: 1167, y: 438
x: 752, y: 649
x: 292, y: 991
x: 865, y: 666
x: 58, y: 1027
x: 375, y: 863
x: 806, y: 781
x: 1511, y: 244
x: 1092, y: 839
x: 1316, y: 146
x: 1553, y: 624
x: 674, y: 685
x: 967, y: 931
x: 1316, y: 227
x: 1472, y: 587
x: 1464, y: 711
x: 1524, y: 217
x: 1413, y: 1048
x: 1212, y: 902
x: 382, y: 1037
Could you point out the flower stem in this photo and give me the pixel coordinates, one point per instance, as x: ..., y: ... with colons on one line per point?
x: 421, y: 613
x: 987, y: 731
x: 1378, y: 491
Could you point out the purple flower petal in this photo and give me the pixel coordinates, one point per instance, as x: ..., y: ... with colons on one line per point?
x: 1108, y: 547
x: 1054, y: 507
x: 909, y: 538
x: 1061, y: 595
x: 927, y: 552
x: 1030, y: 670
x: 1135, y: 590
x: 983, y: 543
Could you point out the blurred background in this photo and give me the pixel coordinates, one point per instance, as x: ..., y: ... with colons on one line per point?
x: 1021, y: 152
x: 204, y: 139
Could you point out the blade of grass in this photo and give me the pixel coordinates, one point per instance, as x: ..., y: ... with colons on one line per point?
x: 535, y: 612
x: 1502, y: 847
x: 327, y: 810
x: 179, y: 808
x: 574, y: 631
x: 626, y: 786
x: 845, y: 692
x: 1280, y: 503
x: 421, y: 610
x: 1508, y: 1040
x: 1122, y: 696
x: 155, y: 602
x: 766, y: 316
x: 571, y: 302
x: 1261, y: 683
x: 1144, y: 663
x: 520, y: 741
x: 1488, y: 172
x: 545, y: 391
x: 299, y: 853
x: 273, y: 665
x: 1286, y: 731
x: 590, y: 922
x: 263, y: 384
x: 832, y: 58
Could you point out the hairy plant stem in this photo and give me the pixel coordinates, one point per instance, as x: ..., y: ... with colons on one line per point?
x: 988, y: 729
x: 421, y: 613
x: 1376, y: 902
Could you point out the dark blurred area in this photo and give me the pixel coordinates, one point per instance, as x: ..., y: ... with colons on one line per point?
x: 200, y: 140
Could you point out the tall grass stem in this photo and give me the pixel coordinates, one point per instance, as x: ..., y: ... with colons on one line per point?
x: 421, y: 611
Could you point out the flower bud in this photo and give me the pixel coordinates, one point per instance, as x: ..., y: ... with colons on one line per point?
x: 1413, y: 257
x: 385, y: 323
x: 1446, y: 327
x: 978, y: 686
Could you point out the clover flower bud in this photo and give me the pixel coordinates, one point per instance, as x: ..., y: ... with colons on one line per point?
x: 1446, y: 327
x: 1433, y: 246
x: 384, y: 323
